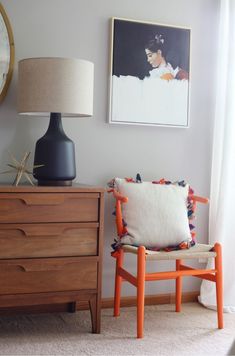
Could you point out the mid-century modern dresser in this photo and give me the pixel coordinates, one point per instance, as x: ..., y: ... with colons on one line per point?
x: 51, y: 247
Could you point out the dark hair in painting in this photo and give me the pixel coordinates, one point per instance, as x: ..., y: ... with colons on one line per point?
x: 157, y: 43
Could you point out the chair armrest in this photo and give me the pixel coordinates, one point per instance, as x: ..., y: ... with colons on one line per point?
x: 118, y: 196
x: 199, y: 199
x: 122, y: 199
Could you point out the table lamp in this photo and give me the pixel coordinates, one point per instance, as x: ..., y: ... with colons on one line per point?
x: 55, y: 87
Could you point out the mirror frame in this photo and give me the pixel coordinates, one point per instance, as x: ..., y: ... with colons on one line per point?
x: 12, y: 53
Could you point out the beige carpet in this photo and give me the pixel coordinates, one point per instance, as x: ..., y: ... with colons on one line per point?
x: 191, y: 332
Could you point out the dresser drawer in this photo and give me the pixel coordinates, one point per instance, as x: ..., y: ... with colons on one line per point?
x: 48, y: 240
x: 48, y: 207
x: 47, y: 275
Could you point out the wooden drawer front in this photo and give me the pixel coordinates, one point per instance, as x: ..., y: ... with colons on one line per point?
x: 48, y: 240
x: 48, y: 207
x: 47, y: 275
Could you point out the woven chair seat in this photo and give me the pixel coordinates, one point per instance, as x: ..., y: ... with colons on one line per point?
x: 195, y: 252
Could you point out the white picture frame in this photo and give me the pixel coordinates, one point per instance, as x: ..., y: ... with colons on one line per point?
x: 150, y: 74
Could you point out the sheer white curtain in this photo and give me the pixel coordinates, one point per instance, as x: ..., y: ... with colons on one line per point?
x: 222, y: 197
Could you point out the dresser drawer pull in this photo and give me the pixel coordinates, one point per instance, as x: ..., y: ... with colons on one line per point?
x: 41, y: 232
x: 43, y: 200
x: 43, y: 267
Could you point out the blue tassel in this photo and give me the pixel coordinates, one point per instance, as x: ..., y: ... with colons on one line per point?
x: 138, y: 178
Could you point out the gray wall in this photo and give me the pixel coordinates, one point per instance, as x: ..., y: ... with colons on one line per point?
x: 81, y: 28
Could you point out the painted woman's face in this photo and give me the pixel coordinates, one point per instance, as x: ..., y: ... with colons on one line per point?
x: 154, y: 58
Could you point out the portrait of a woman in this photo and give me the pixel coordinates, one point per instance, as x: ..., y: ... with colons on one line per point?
x: 156, y: 52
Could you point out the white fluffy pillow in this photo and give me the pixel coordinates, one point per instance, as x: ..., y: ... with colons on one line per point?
x: 156, y: 215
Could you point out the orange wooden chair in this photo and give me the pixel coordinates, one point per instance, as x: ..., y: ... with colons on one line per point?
x: 143, y: 255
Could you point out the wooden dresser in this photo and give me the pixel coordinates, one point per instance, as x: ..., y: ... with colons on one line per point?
x: 51, y: 246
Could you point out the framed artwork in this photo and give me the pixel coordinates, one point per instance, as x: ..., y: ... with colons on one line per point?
x: 150, y: 74
x: 6, y: 53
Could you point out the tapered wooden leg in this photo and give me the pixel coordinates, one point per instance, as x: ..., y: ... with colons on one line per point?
x: 118, y: 284
x: 219, y: 284
x: 95, y: 313
x: 140, y: 291
x: 92, y: 306
x: 178, y: 289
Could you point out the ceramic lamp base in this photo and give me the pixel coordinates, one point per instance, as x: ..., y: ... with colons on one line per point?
x: 56, y: 152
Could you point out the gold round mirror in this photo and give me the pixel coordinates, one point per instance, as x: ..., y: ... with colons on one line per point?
x: 6, y: 53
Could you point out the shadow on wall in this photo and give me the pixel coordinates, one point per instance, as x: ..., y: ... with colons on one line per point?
x: 16, y: 133
x: 20, y: 142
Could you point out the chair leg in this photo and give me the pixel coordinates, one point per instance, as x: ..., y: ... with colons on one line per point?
x: 118, y: 284
x: 178, y: 289
x: 140, y: 290
x: 219, y: 284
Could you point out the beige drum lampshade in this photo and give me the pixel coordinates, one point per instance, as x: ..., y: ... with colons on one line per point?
x: 58, y: 85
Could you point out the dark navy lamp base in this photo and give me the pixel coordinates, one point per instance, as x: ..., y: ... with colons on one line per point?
x: 56, y: 152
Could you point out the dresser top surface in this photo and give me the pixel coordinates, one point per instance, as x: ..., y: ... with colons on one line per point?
x: 75, y: 188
